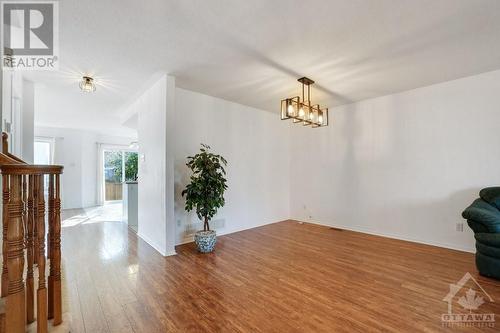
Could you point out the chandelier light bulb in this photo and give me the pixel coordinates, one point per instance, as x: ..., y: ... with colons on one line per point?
x: 87, y: 84
x: 320, y: 119
x: 301, y: 112
x: 290, y: 109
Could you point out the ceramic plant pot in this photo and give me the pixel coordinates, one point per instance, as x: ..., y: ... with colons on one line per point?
x: 205, y: 240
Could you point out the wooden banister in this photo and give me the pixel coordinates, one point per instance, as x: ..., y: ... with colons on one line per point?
x: 24, y: 237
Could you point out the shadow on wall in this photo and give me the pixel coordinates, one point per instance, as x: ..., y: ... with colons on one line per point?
x: 182, y: 218
x: 349, y: 169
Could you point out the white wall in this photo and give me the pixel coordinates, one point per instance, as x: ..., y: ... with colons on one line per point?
x: 403, y: 165
x: 12, y: 92
x: 28, y: 121
x: 257, y: 146
x: 172, y: 123
x: 155, y: 108
x: 76, y: 150
x: 18, y: 109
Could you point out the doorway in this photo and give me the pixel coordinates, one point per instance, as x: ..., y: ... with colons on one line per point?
x: 43, y: 151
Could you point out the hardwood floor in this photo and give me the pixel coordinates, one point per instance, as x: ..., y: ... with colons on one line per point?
x: 284, y: 277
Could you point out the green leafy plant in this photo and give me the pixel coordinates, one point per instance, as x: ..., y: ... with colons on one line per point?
x: 205, y: 192
x: 131, y: 166
x: 113, y: 161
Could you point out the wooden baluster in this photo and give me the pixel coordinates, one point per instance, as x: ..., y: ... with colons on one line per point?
x: 16, y: 301
x: 50, y: 218
x: 50, y: 244
x: 35, y: 228
x: 5, y: 223
x: 24, y: 198
x: 36, y: 248
x: 30, y: 287
x: 42, y: 324
x: 55, y: 259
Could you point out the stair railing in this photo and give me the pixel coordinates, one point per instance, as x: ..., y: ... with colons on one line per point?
x: 24, y: 236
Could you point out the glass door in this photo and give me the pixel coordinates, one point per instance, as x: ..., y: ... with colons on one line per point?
x: 113, y: 175
x: 119, y: 166
x: 130, y: 166
x: 43, y: 150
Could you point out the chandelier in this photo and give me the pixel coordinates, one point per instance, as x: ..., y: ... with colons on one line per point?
x: 302, y: 110
x: 87, y: 84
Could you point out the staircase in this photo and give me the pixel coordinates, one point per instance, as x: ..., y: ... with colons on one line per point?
x: 24, y: 260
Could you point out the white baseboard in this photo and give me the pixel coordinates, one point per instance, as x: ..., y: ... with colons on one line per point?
x: 222, y: 232
x: 187, y: 239
x: 156, y: 247
x: 170, y: 253
x: 389, y: 235
x: 190, y: 239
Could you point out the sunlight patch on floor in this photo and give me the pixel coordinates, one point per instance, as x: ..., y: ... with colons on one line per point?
x: 109, y: 212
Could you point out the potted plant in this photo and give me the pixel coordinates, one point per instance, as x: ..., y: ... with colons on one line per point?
x: 205, y: 193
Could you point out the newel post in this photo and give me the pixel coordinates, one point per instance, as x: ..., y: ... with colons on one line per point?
x: 5, y: 143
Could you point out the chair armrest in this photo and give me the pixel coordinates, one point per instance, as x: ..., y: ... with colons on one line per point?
x: 488, y: 239
x: 477, y: 227
x: 487, y: 218
x: 491, y: 195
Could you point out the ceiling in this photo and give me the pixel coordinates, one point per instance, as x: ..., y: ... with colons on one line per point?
x: 252, y: 52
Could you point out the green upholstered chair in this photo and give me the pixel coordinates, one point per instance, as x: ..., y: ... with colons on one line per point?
x: 483, y: 217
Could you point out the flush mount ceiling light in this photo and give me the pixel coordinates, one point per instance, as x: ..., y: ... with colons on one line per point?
x: 302, y: 110
x: 87, y: 84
